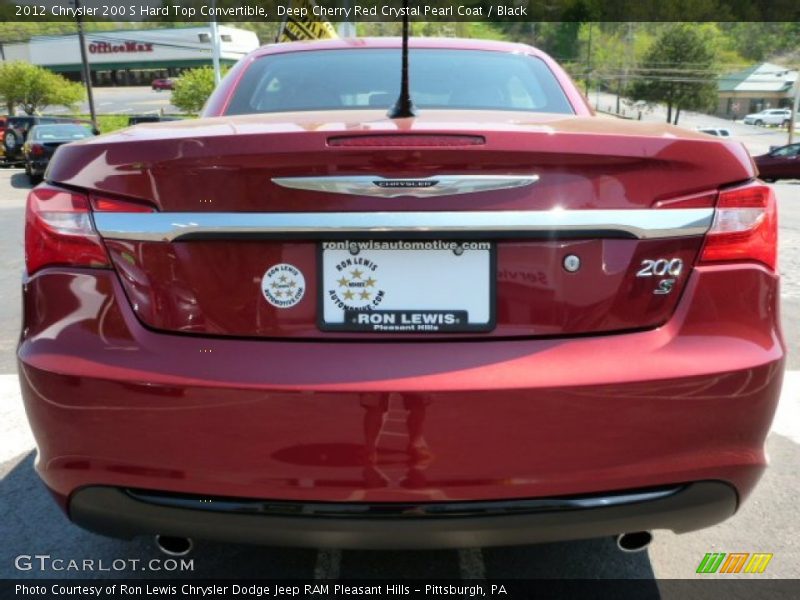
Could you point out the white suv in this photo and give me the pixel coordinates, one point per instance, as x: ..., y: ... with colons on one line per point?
x: 773, y: 116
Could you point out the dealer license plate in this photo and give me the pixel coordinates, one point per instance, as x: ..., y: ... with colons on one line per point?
x: 407, y: 286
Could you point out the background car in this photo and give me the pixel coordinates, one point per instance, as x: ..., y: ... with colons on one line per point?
x: 3, y: 123
x: 773, y: 116
x: 717, y: 131
x: 163, y: 84
x: 17, y: 130
x: 780, y: 163
x: 42, y: 143
x: 154, y: 118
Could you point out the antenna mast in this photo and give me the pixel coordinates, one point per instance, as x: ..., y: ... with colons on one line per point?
x: 404, y: 107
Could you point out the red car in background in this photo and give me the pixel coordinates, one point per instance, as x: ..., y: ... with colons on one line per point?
x: 3, y: 125
x: 163, y: 84
x: 779, y: 163
x: 304, y: 322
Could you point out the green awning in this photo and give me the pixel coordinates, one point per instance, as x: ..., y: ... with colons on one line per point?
x: 145, y: 64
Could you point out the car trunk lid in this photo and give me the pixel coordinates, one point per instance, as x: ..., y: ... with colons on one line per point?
x: 585, y: 219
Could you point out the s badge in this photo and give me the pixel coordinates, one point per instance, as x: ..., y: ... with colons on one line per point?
x: 283, y: 285
x: 664, y: 287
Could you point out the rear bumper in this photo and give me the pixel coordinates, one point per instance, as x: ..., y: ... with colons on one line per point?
x: 114, y: 512
x: 114, y: 404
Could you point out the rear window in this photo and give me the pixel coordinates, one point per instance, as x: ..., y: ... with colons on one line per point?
x: 61, y: 132
x: 787, y: 151
x: 370, y: 78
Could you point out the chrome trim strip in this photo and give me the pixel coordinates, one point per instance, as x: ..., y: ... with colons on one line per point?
x: 636, y: 223
x: 425, y: 187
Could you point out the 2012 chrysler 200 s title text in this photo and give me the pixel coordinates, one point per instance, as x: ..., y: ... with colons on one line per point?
x: 300, y: 321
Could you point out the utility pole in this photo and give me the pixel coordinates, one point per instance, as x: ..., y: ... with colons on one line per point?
x: 622, y: 83
x: 215, y: 44
x: 346, y: 29
x: 795, y: 108
x: 87, y: 73
x: 589, y: 60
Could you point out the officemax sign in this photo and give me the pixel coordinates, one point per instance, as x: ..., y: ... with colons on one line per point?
x: 121, y: 47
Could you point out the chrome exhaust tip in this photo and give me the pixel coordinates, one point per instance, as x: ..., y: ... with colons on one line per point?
x: 635, y: 541
x: 173, y: 545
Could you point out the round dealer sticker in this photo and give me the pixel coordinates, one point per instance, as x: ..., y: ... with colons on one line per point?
x: 283, y: 285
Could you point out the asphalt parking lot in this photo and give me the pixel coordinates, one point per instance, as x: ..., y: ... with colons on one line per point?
x: 31, y: 523
x: 124, y: 100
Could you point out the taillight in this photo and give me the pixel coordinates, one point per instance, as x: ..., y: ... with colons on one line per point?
x: 59, y: 231
x: 37, y: 150
x: 745, y: 227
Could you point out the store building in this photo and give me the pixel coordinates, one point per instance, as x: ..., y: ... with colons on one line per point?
x: 133, y: 57
x: 754, y: 89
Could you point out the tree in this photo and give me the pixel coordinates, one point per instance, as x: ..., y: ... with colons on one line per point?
x: 193, y: 88
x: 33, y: 88
x: 679, y: 71
x: 761, y: 41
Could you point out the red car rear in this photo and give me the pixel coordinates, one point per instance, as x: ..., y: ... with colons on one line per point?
x: 162, y: 84
x: 779, y: 163
x: 501, y: 321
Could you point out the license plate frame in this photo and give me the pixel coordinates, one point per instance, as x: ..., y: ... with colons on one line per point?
x: 460, y: 328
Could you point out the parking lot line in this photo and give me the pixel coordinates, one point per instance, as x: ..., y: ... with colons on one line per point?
x: 787, y: 417
x: 15, y: 435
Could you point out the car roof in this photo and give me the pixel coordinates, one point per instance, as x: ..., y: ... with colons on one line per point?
x: 396, y: 42
x: 43, y: 118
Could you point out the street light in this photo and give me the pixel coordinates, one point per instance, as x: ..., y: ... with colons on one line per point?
x: 215, y: 43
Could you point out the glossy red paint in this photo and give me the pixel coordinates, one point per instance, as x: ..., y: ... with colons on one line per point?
x: 167, y: 371
x: 226, y: 163
x: 114, y: 403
